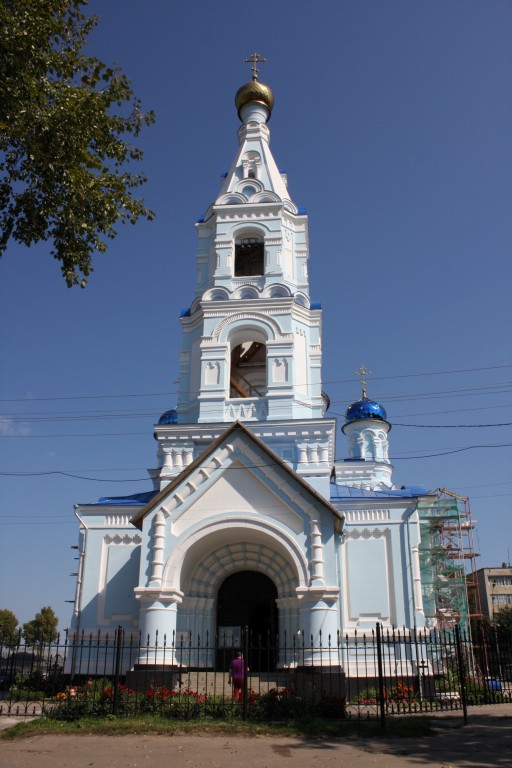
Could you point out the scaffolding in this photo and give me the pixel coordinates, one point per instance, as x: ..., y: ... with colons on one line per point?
x: 448, y: 561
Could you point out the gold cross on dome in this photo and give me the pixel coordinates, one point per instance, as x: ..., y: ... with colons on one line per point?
x: 255, y: 58
x: 362, y: 372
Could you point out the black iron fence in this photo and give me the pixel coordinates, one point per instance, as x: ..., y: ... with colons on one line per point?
x: 363, y: 675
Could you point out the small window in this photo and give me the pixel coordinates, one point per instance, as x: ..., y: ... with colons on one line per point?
x: 251, y: 174
x: 249, y: 257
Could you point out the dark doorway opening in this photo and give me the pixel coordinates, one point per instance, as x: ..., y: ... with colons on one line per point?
x: 247, y: 599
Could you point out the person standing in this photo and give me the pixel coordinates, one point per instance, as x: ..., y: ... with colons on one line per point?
x: 237, y: 675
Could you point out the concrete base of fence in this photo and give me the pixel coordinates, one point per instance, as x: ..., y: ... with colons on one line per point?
x: 319, y: 682
x: 145, y: 676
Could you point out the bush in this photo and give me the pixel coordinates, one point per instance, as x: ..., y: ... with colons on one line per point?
x: 97, y: 699
x: 276, y: 704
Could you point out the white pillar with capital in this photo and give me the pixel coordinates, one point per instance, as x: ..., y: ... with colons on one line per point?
x: 158, y: 614
x: 319, y: 623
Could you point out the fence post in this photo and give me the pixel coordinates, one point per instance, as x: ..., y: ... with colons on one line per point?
x: 382, y: 703
x: 246, y: 671
x: 119, y: 646
x: 462, y: 678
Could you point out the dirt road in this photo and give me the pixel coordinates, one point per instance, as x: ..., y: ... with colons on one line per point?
x: 485, y: 743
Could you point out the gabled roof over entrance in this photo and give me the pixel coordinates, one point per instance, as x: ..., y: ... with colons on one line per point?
x: 307, y: 492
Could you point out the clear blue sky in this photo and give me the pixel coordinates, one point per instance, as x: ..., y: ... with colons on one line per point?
x: 394, y: 121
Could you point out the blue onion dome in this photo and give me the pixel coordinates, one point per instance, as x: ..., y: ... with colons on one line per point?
x: 169, y: 417
x: 365, y: 409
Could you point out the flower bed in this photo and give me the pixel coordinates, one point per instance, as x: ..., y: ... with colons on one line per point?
x: 99, y: 698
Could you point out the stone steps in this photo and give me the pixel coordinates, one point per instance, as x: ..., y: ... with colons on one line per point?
x: 216, y: 683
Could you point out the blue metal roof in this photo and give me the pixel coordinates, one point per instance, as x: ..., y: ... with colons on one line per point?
x: 169, y: 417
x: 348, y: 492
x: 122, y: 501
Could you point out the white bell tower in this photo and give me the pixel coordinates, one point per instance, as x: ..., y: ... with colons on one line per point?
x: 252, y: 341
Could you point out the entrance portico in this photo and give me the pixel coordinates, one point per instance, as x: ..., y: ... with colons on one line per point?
x: 272, y: 525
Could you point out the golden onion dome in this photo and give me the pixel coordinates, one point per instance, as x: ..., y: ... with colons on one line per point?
x: 254, y: 91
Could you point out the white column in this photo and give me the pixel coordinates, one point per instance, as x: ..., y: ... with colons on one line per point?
x: 158, y: 614
x: 319, y: 622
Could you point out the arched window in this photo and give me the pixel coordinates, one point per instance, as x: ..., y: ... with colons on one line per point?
x: 249, y: 256
x: 248, y: 374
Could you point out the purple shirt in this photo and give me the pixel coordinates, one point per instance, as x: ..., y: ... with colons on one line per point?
x: 237, y: 669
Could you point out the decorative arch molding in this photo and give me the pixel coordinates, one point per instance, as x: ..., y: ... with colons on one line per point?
x: 265, y: 197
x: 219, y: 293
x: 247, y: 540
x: 267, y: 325
x: 301, y: 299
x: 246, y: 292
x: 236, y: 557
x: 276, y: 290
x: 232, y: 198
x: 289, y: 206
x: 252, y: 182
x: 250, y: 229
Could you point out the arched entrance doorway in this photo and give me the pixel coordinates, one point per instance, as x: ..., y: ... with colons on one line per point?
x: 248, y: 599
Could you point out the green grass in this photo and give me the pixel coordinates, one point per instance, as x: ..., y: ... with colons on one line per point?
x: 414, y: 727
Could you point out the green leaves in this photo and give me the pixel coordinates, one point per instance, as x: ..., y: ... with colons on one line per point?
x: 9, y: 628
x: 64, y: 149
x: 42, y: 629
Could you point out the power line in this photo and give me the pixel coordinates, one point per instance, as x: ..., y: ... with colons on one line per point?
x: 7, y: 419
x: 22, y: 420
x: 485, y: 485
x: 433, y: 413
x: 65, y: 519
x: 456, y: 450
x: 453, y: 426
x: 329, y: 381
x: 76, y: 477
x: 125, y: 414
x: 459, y: 410
x: 244, y: 466
x: 85, y: 397
x: 495, y: 389
x: 84, y: 434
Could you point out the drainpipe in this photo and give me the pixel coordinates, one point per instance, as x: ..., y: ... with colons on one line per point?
x: 411, y: 567
x: 79, y: 585
x: 338, y: 541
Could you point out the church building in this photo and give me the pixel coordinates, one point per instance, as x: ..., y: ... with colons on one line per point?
x: 252, y: 521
